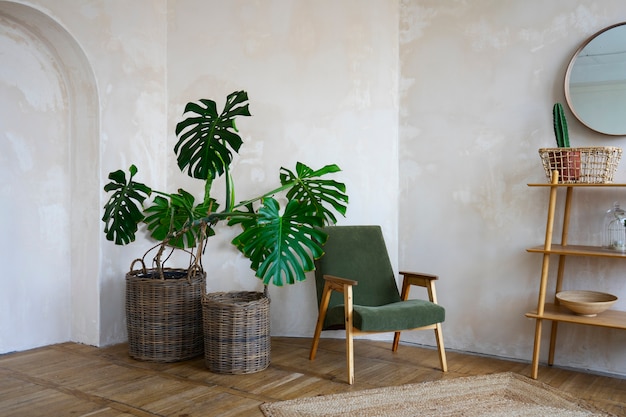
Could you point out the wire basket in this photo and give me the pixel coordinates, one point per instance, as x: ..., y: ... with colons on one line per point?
x: 164, y: 316
x: 236, y: 332
x: 588, y: 165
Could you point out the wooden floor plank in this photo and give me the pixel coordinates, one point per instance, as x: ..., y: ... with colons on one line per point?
x: 78, y: 380
x: 21, y: 398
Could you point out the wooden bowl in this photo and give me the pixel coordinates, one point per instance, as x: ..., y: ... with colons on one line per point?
x: 586, y: 303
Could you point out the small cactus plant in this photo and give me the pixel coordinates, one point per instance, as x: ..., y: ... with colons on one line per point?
x: 560, y: 126
x: 568, y: 162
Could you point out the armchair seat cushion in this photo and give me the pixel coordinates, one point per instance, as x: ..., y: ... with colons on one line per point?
x: 401, y: 315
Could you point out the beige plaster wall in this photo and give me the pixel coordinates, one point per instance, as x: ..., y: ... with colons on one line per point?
x: 323, y: 87
x: 434, y: 110
x: 478, y: 81
x: 108, y: 59
x: 34, y: 214
x: 322, y: 81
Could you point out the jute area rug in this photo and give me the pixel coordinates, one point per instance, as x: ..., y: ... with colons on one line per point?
x: 504, y: 394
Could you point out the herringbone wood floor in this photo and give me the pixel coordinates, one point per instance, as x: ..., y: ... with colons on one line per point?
x: 75, y: 380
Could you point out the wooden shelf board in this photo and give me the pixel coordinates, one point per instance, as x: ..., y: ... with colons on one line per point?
x: 610, y: 318
x: 548, y: 184
x: 579, y: 250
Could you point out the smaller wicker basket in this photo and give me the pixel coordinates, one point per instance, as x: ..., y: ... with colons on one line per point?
x: 589, y: 165
x: 236, y: 332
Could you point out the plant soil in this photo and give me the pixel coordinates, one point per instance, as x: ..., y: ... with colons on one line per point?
x: 167, y: 274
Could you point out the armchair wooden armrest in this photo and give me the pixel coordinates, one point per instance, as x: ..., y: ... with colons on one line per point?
x: 420, y: 279
x: 337, y: 283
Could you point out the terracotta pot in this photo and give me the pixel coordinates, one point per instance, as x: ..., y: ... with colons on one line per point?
x: 568, y: 163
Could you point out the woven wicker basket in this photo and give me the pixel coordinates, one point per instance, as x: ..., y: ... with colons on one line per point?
x: 236, y: 332
x: 164, y: 316
x: 590, y: 165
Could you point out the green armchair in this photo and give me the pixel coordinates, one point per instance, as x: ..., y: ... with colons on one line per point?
x: 357, y: 291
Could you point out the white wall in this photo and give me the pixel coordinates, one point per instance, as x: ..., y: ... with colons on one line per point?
x: 446, y: 102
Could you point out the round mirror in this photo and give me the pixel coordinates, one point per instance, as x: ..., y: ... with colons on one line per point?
x: 595, y: 81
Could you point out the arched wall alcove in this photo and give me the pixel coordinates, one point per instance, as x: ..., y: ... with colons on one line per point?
x: 53, y: 149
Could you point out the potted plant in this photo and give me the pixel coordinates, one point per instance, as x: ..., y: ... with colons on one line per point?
x: 281, y: 244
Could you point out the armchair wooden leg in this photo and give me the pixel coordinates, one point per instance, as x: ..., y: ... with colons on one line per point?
x: 442, y: 352
x: 396, y: 341
x: 347, y: 295
x: 320, y: 320
x: 350, y: 355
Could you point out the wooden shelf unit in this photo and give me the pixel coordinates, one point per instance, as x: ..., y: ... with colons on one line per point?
x: 552, y: 311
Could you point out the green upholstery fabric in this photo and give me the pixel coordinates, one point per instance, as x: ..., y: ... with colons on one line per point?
x: 359, y: 253
x: 402, y: 315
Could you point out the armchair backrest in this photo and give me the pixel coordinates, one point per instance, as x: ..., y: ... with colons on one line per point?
x: 358, y: 253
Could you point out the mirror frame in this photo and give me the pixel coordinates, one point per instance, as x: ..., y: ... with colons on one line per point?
x: 568, y: 72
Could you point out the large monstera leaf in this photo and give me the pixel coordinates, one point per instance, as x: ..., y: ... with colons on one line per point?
x: 320, y: 193
x: 124, y: 210
x: 173, y: 219
x: 282, y: 249
x: 206, y: 140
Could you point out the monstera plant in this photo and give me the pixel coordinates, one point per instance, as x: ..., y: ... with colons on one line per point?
x: 280, y: 244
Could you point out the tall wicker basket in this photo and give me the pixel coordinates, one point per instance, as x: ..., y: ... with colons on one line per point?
x: 236, y: 332
x: 164, y: 316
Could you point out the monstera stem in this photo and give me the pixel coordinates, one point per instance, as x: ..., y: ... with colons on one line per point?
x: 202, y: 240
x: 157, y: 259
